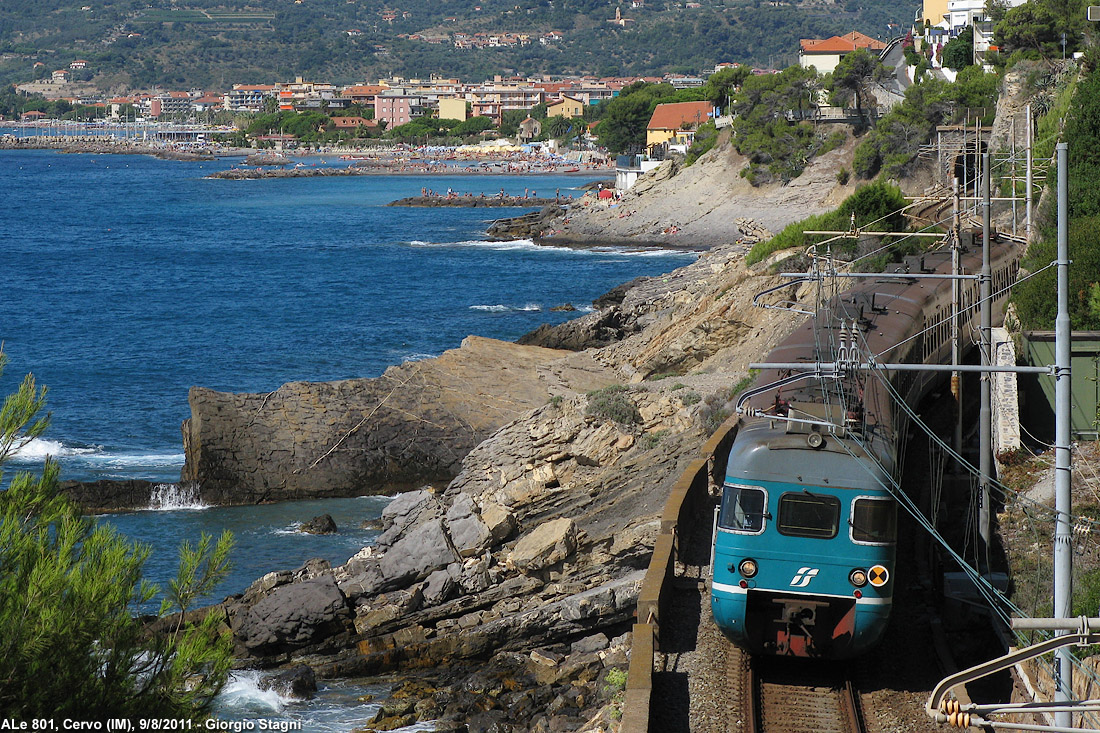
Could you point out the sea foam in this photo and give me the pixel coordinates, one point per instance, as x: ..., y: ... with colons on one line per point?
x: 38, y: 448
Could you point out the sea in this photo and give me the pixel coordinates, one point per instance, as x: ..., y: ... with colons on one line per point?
x: 125, y: 280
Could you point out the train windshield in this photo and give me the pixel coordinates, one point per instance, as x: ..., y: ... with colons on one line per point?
x: 742, y: 509
x: 809, y: 515
x: 874, y: 520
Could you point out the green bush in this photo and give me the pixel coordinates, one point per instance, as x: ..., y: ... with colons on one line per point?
x: 705, y: 138
x: 877, y: 202
x: 959, y: 51
x: 650, y: 441
x: 865, y: 159
x: 690, y: 398
x: 70, y: 590
x: 1036, y: 297
x: 612, y: 403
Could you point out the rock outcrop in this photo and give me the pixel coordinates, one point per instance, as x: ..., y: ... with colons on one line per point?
x: 98, y: 497
x: 410, y: 426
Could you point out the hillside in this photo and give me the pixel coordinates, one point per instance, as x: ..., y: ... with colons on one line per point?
x: 140, y: 43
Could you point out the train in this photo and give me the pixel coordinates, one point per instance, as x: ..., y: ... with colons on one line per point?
x: 805, y: 531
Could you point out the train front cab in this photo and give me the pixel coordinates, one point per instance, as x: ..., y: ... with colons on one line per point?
x: 803, y: 570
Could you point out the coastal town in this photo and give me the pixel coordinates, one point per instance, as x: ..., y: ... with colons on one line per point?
x: 369, y: 109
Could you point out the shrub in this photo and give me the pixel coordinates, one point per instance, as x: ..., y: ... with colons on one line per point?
x: 1036, y: 297
x: 616, y: 679
x: 865, y: 159
x: 878, y: 202
x: 650, y: 441
x: 705, y: 138
x: 70, y: 589
x: 612, y: 403
x: 842, y: 176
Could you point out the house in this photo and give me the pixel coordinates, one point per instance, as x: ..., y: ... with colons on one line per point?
x: 824, y: 55
x: 293, y: 94
x: 32, y: 116
x: 567, y: 107
x: 676, y: 123
x: 248, y: 97
x: 453, y: 108
x: 529, y: 129
x: 363, y: 94
x: 396, y: 108
x: 492, y: 100
x: 352, y: 122
x: 946, y: 19
x: 78, y: 64
x: 61, y: 76
x: 207, y: 102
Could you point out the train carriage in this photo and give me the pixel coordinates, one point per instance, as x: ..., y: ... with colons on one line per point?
x: 797, y: 551
x: 806, y: 529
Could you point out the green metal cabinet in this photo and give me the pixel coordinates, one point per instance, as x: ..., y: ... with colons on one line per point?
x: 1084, y: 384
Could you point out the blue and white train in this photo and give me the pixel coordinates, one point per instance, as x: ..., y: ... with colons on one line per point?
x: 806, y: 529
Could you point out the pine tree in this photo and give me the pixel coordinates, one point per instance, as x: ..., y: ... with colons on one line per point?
x: 70, y: 645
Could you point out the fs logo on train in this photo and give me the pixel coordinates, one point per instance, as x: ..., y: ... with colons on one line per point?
x: 878, y: 576
x: 803, y: 577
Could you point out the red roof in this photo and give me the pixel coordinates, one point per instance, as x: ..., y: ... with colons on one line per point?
x: 841, y: 44
x: 363, y: 90
x: 673, y: 116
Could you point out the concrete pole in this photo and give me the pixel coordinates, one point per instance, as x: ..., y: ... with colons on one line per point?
x: 1027, y: 195
x: 956, y: 317
x: 985, y: 419
x: 1014, y: 176
x: 1063, y: 503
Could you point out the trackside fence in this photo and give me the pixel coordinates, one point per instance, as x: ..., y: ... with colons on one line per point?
x: 691, y: 489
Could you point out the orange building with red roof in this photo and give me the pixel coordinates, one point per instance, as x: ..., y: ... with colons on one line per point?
x: 676, y: 123
x: 824, y: 55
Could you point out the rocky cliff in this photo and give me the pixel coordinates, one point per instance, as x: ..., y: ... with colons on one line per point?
x: 410, y: 426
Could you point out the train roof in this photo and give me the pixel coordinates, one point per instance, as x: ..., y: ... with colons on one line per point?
x: 792, y: 451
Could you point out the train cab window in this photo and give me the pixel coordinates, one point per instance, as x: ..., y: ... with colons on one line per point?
x: 743, y: 509
x: 874, y: 520
x: 809, y: 515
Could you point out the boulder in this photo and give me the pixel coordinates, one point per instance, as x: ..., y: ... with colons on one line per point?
x: 293, y: 616
x: 298, y: 683
x: 439, y: 587
x: 323, y: 524
x: 414, y: 556
x: 589, y: 644
x: 408, y: 427
x: 313, y: 568
x: 499, y: 521
x: 474, y: 576
x: 546, y: 545
x: 469, y: 535
x: 405, y: 512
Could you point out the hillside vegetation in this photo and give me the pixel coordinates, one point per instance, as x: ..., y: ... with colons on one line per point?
x: 139, y: 43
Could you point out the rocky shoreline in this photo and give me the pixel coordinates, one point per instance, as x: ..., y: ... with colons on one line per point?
x: 469, y: 200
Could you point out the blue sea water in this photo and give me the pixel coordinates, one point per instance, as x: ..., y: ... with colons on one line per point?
x: 125, y: 280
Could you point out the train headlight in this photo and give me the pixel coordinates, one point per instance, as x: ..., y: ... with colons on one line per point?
x: 858, y: 577
x: 748, y: 567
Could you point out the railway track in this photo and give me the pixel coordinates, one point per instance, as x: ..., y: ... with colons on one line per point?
x: 796, y: 700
